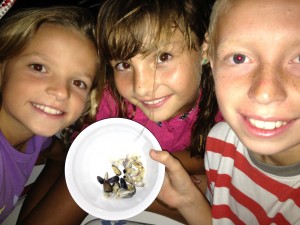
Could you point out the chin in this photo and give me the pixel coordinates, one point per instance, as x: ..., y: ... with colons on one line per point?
x: 160, y: 119
x: 46, y: 133
x: 157, y: 116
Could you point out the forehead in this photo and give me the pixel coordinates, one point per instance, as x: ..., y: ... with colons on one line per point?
x: 53, y: 30
x: 246, y: 16
x: 51, y: 37
x: 176, y: 38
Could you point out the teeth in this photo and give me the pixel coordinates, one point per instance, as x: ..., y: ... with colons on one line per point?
x: 47, y: 109
x: 154, y: 101
x: 267, y: 125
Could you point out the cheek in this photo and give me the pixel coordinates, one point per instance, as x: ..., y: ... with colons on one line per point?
x: 223, y: 92
x: 79, y: 103
x: 123, y: 85
x: 189, y: 77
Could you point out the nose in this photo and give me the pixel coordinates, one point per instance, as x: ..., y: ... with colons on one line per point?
x: 144, y: 80
x: 58, y: 89
x: 267, y: 85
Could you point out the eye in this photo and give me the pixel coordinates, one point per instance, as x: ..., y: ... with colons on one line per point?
x: 296, y: 60
x: 121, y: 66
x: 79, y: 84
x: 163, y: 57
x: 38, y: 67
x: 294, y: 66
x: 239, y: 58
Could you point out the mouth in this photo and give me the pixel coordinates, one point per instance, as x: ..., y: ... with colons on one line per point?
x: 267, y: 125
x: 48, y: 109
x: 154, y: 102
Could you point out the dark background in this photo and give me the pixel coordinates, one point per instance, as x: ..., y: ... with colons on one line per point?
x: 93, y: 5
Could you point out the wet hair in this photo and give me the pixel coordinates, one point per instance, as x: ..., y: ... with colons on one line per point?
x: 126, y: 28
x: 17, y: 29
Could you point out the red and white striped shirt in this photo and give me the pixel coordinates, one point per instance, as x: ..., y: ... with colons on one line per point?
x: 5, y: 6
x: 243, y: 190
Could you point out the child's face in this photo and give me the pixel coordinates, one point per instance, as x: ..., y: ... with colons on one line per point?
x: 162, y: 84
x: 256, y: 68
x: 47, y: 84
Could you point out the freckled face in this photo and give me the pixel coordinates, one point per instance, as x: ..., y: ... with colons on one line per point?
x: 256, y: 67
x: 163, y: 84
x: 46, y: 86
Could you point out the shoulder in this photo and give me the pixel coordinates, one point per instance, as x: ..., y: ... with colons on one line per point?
x: 221, y: 137
x: 220, y: 130
x: 55, y: 150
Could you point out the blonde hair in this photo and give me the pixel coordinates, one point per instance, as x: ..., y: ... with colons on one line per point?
x: 17, y: 29
x: 220, y: 7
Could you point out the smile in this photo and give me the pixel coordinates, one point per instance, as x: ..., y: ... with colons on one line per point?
x: 153, y: 102
x: 47, y: 109
x: 267, y: 125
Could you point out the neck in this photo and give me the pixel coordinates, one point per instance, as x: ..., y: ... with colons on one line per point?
x: 14, y: 134
x: 285, y: 158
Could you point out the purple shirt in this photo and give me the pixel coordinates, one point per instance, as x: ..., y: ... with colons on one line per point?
x: 15, y: 169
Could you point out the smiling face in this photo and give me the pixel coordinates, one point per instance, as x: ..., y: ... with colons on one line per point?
x: 256, y: 67
x: 162, y: 84
x: 46, y: 86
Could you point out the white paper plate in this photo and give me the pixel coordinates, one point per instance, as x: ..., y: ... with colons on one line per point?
x: 91, y: 155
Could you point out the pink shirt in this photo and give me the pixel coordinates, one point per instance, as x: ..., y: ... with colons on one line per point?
x: 173, y: 135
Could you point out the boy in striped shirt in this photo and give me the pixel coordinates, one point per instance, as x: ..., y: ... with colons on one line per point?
x: 253, y: 159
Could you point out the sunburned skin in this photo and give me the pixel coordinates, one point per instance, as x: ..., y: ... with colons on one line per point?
x: 257, y: 80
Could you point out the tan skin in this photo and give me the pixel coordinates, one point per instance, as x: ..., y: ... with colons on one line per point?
x: 171, y: 93
x: 193, y: 166
x: 52, y: 76
x: 182, y: 195
x: 159, y: 207
x: 68, y: 212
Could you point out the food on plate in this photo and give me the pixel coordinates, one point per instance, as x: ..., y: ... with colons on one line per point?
x: 124, y: 182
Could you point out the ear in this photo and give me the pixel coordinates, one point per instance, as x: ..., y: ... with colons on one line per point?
x: 204, y: 51
x: 205, y: 45
x: 206, y: 54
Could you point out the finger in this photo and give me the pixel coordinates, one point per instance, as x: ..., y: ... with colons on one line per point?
x: 173, y: 166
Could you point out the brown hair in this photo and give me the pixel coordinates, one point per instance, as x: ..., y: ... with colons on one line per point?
x: 124, y: 25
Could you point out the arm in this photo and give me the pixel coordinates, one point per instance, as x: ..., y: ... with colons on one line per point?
x: 195, y: 167
x: 178, y: 191
x: 192, y: 165
x: 49, y: 201
x: 161, y: 208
